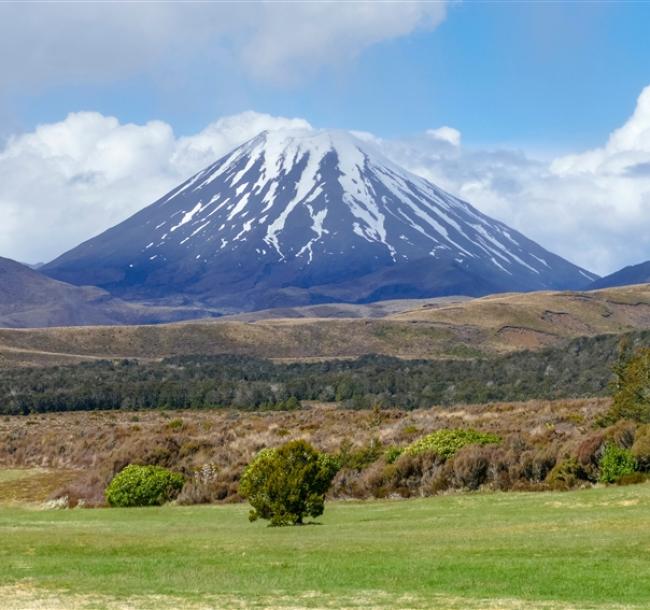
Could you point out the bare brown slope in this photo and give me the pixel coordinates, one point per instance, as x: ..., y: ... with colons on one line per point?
x: 30, y: 299
x: 482, y: 326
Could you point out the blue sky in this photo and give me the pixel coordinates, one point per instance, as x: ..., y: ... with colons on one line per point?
x: 541, y: 74
x: 104, y: 106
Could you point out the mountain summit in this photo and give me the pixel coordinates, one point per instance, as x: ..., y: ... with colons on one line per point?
x: 305, y: 216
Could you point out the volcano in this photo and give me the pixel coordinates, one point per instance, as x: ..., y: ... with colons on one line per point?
x: 296, y: 217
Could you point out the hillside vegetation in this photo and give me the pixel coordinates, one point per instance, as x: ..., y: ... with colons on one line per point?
x: 581, y: 367
x: 465, y: 329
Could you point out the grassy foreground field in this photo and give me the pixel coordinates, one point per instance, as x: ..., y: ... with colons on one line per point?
x: 578, y: 550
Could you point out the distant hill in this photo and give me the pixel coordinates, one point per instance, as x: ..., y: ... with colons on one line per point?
x: 426, y: 329
x: 303, y: 217
x: 634, y: 274
x: 30, y: 299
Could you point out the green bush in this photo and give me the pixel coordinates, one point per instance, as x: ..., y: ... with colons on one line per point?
x: 445, y: 443
x: 615, y: 463
x: 143, y: 486
x: 285, y: 484
x: 392, y: 453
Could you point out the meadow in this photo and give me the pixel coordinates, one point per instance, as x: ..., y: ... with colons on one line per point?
x: 586, y: 549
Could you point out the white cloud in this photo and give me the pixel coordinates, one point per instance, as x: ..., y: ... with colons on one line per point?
x: 626, y: 148
x: 293, y: 39
x: 592, y: 207
x: 445, y: 134
x: 65, y: 182
x: 59, y: 43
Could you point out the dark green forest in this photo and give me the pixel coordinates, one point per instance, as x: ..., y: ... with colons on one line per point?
x: 581, y: 367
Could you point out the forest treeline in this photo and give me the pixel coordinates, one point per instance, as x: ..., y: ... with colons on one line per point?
x: 581, y: 367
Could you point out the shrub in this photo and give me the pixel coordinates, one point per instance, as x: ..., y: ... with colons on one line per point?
x: 615, y: 463
x: 175, y: 424
x: 536, y: 464
x: 358, y: 458
x: 287, y: 483
x: 143, y: 486
x: 632, y: 479
x: 470, y: 467
x: 392, y: 453
x: 445, y: 443
x: 565, y: 474
x: 622, y: 433
x: 589, y: 453
x: 641, y: 448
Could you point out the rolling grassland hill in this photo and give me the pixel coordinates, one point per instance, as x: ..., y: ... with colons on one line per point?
x: 426, y: 329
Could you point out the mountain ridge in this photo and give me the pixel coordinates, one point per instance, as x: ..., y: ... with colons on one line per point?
x: 632, y: 274
x: 29, y: 299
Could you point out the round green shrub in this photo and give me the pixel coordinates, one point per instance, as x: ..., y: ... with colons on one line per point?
x: 143, y: 486
x: 445, y: 443
x: 285, y: 484
x: 615, y: 463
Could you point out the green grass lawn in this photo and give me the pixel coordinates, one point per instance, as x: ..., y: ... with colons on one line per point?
x: 577, y: 550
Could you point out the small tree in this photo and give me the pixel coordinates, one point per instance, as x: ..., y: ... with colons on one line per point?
x: 143, y: 486
x: 632, y: 386
x: 287, y: 483
x: 615, y: 463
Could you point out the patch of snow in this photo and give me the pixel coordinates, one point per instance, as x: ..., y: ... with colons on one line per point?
x: 188, y: 216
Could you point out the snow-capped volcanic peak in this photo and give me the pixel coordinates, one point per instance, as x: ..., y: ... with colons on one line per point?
x: 298, y: 190
x: 305, y: 210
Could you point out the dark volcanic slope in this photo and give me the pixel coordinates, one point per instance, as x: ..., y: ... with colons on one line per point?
x: 299, y: 217
x: 634, y: 274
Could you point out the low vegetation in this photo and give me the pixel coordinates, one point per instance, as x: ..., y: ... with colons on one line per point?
x: 447, y: 328
x: 543, y: 445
